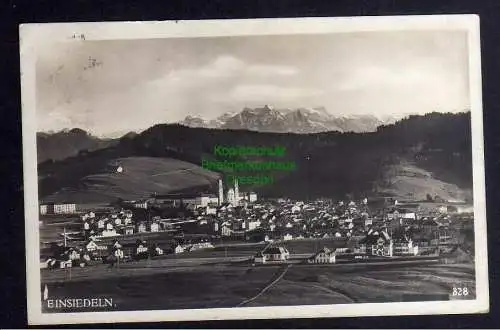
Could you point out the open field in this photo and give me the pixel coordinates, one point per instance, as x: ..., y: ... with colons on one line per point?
x: 327, y: 285
x: 194, y: 283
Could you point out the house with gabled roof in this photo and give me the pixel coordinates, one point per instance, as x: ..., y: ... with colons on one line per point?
x: 179, y: 249
x: 272, y: 254
x: 377, y: 242
x: 323, y: 256
x: 93, y: 246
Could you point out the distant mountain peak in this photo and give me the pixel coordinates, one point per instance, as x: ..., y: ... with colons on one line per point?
x: 299, y: 120
x: 67, y: 143
x: 77, y: 130
x: 130, y: 135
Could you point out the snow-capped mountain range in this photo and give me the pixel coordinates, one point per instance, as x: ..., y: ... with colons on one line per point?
x: 300, y: 120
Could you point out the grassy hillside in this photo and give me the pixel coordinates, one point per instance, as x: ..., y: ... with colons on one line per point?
x: 140, y: 178
x: 417, y: 154
x: 405, y: 180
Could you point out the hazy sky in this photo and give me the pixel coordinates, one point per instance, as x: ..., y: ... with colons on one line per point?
x: 134, y: 84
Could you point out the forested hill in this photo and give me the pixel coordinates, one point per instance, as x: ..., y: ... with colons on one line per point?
x: 328, y: 164
x: 66, y: 143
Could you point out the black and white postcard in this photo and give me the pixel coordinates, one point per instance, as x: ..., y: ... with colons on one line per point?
x: 253, y: 169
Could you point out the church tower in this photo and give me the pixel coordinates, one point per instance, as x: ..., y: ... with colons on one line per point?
x: 230, y: 197
x: 221, y: 192
x: 236, y: 191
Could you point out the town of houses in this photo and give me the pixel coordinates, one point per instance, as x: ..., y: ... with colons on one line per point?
x: 383, y: 227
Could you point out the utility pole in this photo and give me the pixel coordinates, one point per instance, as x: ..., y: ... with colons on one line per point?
x: 308, y: 178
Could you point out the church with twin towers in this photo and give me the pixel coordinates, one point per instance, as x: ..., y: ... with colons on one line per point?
x: 233, y: 195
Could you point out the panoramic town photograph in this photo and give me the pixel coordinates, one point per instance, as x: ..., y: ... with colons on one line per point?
x: 255, y: 171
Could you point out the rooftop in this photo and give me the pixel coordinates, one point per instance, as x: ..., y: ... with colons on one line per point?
x: 274, y: 250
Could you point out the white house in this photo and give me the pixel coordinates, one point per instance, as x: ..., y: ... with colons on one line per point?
x: 141, y: 205
x: 252, y: 197
x: 378, y: 243
x: 211, y: 210
x: 179, y: 249
x: 129, y: 230
x: 141, y: 249
x: 225, y: 231
x: 408, y: 215
x: 64, y: 208
x: 66, y: 264
x: 109, y: 233
x: 141, y: 228
x: 118, y: 253
x: 275, y: 253
x: 93, y: 246
x: 287, y: 237
x: 203, y: 245
x: 155, y: 227
x: 43, y: 209
x: 324, y: 256
x: 404, y: 248
x: 341, y: 251
x: 73, y: 255
x: 253, y: 225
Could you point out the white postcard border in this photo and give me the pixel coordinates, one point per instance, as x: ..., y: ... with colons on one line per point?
x: 33, y: 36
